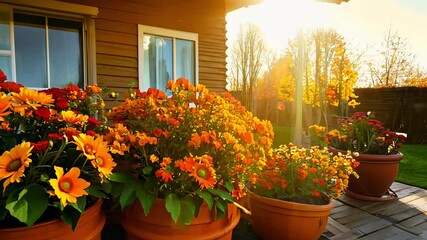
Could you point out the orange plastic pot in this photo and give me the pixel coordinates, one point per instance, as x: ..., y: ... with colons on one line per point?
x: 89, y: 227
x: 159, y: 224
x: 376, y: 174
x: 277, y: 219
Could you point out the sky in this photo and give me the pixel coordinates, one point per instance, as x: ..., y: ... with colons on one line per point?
x: 362, y: 23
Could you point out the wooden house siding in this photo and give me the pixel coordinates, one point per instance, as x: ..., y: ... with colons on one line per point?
x: 116, y: 31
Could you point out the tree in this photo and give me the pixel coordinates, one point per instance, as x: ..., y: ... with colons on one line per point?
x: 246, y: 61
x: 396, y: 64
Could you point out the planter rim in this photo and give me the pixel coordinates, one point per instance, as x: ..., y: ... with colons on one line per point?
x: 373, y: 157
x: 295, y: 205
x: 89, y: 210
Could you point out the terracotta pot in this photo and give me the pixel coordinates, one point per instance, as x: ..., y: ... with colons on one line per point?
x: 159, y: 224
x: 277, y: 219
x: 376, y: 174
x: 89, y: 227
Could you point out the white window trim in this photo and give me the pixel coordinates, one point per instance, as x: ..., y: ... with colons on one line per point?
x: 164, y: 32
x: 67, y: 10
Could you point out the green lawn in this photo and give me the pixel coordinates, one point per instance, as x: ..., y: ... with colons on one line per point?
x: 282, y: 135
x: 413, y: 166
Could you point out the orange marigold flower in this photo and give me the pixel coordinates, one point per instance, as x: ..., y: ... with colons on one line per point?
x: 93, y: 88
x: 157, y: 132
x: 154, y: 158
x: 315, y: 193
x: 165, y: 174
x: 302, y: 174
x: 195, y: 140
x: 14, y: 162
x: 68, y: 187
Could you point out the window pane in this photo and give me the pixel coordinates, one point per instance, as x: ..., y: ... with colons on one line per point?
x: 4, y: 30
x: 65, y: 52
x: 158, y: 67
x: 30, y: 50
x: 5, y: 66
x: 185, y: 59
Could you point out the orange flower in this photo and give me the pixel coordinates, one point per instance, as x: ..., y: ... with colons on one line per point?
x: 30, y: 99
x: 73, y: 118
x: 14, y: 162
x: 89, y: 145
x: 302, y: 174
x: 4, y: 105
x: 68, y: 187
x: 103, y: 162
x: 204, y: 175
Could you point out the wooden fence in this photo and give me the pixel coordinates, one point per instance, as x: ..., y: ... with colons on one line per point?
x: 400, y: 109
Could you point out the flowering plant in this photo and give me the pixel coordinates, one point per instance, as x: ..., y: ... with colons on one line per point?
x: 190, y: 147
x: 53, y: 159
x: 360, y: 133
x: 305, y: 175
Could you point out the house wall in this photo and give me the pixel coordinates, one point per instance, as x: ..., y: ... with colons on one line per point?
x: 116, y: 30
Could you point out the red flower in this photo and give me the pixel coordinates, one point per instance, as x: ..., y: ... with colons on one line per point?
x: 55, y: 136
x: 8, y: 87
x: 91, y: 133
x: 3, y: 76
x: 43, y: 112
x: 40, y: 147
x: 92, y: 122
x: 157, y: 132
x: 62, y: 103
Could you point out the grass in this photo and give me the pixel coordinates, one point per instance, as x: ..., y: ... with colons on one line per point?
x: 282, y: 135
x: 413, y: 166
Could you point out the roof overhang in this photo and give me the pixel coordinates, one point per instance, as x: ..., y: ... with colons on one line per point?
x: 231, y: 5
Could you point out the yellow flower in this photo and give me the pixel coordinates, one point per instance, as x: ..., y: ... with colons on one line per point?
x: 73, y: 118
x: 68, y: 187
x: 14, y: 162
x: 353, y: 103
x: 89, y: 145
x: 29, y: 98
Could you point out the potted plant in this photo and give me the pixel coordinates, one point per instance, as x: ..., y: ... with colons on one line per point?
x: 52, y: 162
x: 376, y: 148
x: 291, y: 197
x: 181, y: 160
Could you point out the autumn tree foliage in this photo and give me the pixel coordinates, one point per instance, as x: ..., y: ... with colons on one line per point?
x: 330, y: 74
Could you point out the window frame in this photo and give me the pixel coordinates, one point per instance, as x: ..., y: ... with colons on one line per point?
x: 61, y: 10
x: 167, y: 33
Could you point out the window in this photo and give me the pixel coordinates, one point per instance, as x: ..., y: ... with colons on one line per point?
x: 43, y: 49
x: 166, y: 55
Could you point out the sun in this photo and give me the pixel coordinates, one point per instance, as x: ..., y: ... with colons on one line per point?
x: 280, y: 20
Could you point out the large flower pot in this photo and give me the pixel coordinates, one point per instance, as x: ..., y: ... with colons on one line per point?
x: 89, y: 227
x: 376, y: 174
x: 277, y: 219
x: 159, y: 224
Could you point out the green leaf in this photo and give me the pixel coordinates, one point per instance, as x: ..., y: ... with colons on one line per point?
x: 187, y: 210
x: 198, y: 201
x: 96, y: 191
x: 229, y: 186
x: 70, y: 216
x: 221, y: 207
x: 122, y: 177
x: 127, y: 197
x: 80, y: 205
x: 146, y: 199
x: 29, y: 204
x: 147, y: 170
x: 207, y: 197
x: 225, y: 195
x: 173, y: 206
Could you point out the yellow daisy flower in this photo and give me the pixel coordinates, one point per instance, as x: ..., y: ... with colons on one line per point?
x: 68, y: 187
x: 14, y: 162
